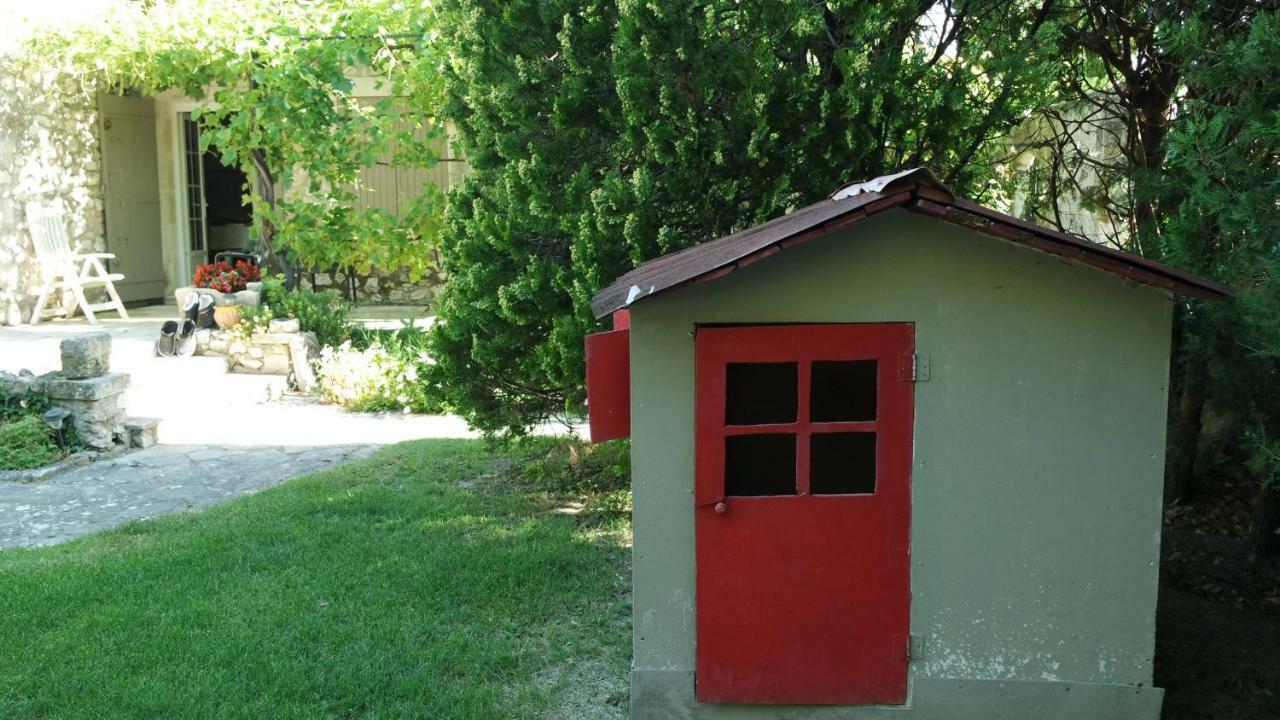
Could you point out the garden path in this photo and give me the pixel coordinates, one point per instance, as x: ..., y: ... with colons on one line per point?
x: 144, y: 483
x: 221, y: 435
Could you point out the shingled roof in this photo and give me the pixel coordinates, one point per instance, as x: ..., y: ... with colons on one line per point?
x: 916, y: 190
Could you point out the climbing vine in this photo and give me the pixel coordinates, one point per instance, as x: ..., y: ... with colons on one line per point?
x: 275, y: 87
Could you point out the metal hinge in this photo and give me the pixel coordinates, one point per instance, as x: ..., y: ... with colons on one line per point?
x: 913, y: 367
x: 915, y: 647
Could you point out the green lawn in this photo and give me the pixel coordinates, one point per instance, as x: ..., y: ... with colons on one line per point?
x: 413, y: 584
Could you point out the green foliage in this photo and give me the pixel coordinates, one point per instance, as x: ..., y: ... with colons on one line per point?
x: 253, y: 320
x: 378, y: 370
x: 601, y: 134
x: 15, y: 406
x: 274, y: 83
x: 323, y: 313
x: 26, y: 443
x: 569, y: 465
x: 1223, y: 181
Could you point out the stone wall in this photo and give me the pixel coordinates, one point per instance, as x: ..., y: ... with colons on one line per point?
x: 380, y: 287
x: 281, y: 351
x: 50, y: 153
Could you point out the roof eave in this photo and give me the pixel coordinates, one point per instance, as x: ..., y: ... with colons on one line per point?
x: 919, y: 191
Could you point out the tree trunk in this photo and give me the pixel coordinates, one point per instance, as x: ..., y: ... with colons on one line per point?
x: 1184, y: 438
x: 1266, y: 523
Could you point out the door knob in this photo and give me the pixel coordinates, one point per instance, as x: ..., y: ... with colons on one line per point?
x: 721, y: 508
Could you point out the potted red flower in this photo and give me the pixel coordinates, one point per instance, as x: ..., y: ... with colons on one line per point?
x: 226, y: 279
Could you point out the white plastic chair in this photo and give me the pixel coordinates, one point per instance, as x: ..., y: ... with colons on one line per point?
x: 64, y: 271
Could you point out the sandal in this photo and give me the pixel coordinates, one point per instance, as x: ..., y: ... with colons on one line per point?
x: 204, y: 315
x: 186, y: 339
x: 191, y: 306
x: 167, y: 343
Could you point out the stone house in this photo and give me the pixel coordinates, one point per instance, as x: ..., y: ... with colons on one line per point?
x: 130, y: 175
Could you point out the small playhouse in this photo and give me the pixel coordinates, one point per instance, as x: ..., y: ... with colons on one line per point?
x: 894, y: 455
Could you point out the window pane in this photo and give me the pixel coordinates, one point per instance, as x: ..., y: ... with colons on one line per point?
x: 843, y: 391
x: 759, y: 393
x: 842, y: 463
x: 760, y: 465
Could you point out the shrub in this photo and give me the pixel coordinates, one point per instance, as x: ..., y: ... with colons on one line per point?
x: 323, y: 313
x: 372, y: 379
x: 567, y: 464
x: 17, y: 405
x: 27, y: 443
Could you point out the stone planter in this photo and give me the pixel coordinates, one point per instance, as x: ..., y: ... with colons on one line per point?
x: 251, y: 296
x: 227, y: 316
x: 284, y: 351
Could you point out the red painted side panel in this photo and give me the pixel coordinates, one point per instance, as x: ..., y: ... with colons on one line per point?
x: 804, y: 599
x: 609, y: 384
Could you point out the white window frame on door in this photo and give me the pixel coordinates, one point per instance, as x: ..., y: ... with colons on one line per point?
x: 185, y: 154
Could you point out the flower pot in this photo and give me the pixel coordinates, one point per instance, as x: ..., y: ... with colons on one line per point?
x: 226, y: 316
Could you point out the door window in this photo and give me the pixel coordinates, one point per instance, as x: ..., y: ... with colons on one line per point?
x: 774, y: 445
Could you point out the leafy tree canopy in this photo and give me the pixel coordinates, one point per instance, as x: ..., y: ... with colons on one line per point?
x: 275, y: 84
x: 602, y: 133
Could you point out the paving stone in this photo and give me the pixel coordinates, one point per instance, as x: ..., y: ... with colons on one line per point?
x: 159, y: 480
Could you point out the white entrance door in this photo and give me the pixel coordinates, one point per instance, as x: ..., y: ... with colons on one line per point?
x: 132, y: 194
x: 195, y: 206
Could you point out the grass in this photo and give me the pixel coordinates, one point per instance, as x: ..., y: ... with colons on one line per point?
x: 417, y: 583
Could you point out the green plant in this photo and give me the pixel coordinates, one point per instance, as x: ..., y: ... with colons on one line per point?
x: 323, y: 313
x: 273, y: 288
x: 378, y: 370
x: 570, y: 465
x: 253, y: 320
x: 27, y: 443
x: 15, y: 406
x: 275, y: 92
x: 654, y: 126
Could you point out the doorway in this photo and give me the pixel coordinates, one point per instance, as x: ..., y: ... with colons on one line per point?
x: 217, y: 218
x: 131, y: 195
x: 802, y: 520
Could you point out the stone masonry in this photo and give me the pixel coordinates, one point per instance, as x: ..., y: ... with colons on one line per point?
x: 379, y: 287
x: 84, y: 386
x: 281, y: 351
x: 49, y: 153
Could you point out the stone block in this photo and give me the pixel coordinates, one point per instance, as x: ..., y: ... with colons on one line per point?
x: 17, y: 384
x: 255, y: 352
x: 99, y: 427
x: 276, y: 364
x: 105, y: 410
x: 284, y: 325
x: 61, y: 388
x: 251, y: 363
x: 301, y: 352
x: 86, y: 356
x: 142, y: 432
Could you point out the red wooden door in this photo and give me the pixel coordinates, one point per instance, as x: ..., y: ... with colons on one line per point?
x: 803, y: 454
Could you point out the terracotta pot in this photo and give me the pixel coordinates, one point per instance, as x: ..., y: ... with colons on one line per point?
x: 226, y: 316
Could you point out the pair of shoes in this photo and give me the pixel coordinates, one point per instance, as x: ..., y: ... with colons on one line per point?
x: 177, y: 339
x: 198, y: 308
